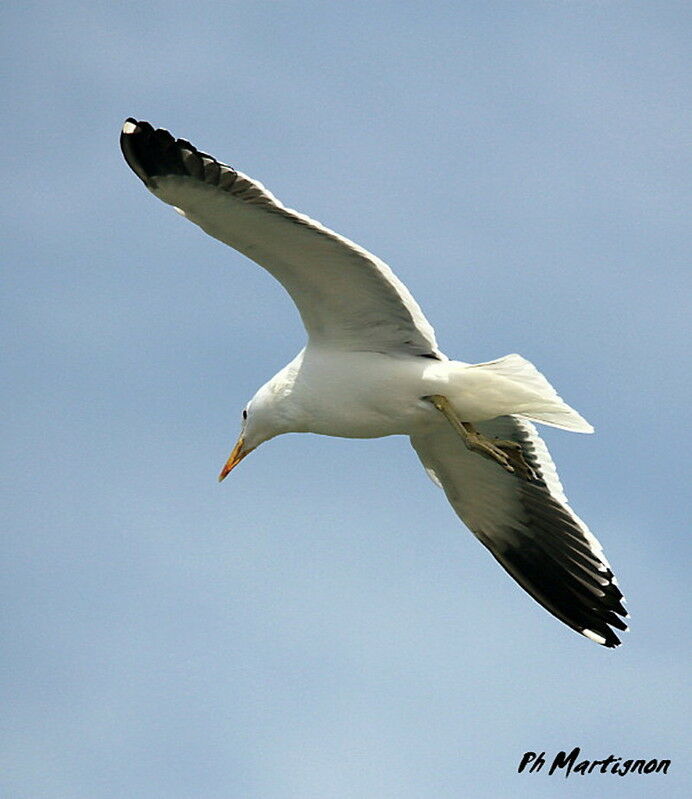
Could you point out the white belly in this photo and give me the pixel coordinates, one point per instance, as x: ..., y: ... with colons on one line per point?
x: 362, y: 394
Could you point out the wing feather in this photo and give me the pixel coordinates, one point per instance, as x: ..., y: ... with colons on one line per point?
x: 528, y: 526
x: 347, y: 298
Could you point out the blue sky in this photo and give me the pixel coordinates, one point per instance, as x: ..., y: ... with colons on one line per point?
x: 321, y: 625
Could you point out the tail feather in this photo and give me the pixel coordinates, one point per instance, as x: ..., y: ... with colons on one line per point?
x: 542, y: 403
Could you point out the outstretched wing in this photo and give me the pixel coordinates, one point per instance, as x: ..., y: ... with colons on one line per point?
x: 348, y: 299
x: 528, y: 526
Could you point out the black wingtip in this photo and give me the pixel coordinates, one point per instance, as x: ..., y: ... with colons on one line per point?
x: 153, y: 152
x: 605, y: 637
x: 133, y: 136
x: 150, y: 152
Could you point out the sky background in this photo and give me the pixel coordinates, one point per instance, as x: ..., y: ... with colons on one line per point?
x: 321, y: 626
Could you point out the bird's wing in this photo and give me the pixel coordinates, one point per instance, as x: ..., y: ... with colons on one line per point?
x: 348, y: 299
x: 528, y: 526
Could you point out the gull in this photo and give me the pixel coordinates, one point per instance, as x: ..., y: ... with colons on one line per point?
x: 371, y: 367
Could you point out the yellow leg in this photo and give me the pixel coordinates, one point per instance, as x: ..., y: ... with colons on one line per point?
x: 508, y: 454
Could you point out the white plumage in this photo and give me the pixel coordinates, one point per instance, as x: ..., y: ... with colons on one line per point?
x: 372, y: 368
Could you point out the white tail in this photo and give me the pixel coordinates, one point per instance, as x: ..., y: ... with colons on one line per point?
x: 542, y: 403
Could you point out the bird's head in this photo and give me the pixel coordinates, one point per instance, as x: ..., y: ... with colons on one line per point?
x: 269, y: 413
x: 254, y: 430
x: 262, y: 419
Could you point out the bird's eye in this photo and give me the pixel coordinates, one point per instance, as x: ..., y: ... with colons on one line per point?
x: 244, y: 415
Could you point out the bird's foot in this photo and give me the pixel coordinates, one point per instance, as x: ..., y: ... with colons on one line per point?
x: 508, y: 454
x: 514, y: 453
x: 503, y: 452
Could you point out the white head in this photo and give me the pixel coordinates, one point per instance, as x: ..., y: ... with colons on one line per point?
x: 263, y: 418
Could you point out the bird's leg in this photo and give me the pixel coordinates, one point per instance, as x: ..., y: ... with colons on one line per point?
x: 474, y: 440
x: 507, y: 453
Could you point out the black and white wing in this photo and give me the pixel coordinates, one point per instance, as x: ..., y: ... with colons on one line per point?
x: 348, y: 299
x: 528, y: 526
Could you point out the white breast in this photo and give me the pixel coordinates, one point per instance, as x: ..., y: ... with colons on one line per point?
x: 360, y: 394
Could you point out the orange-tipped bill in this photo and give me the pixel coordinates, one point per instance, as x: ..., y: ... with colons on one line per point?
x: 239, y: 452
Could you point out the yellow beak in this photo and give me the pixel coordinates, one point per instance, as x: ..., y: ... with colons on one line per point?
x: 239, y: 452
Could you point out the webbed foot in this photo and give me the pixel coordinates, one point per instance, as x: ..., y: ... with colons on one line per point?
x: 502, y: 452
x: 508, y: 454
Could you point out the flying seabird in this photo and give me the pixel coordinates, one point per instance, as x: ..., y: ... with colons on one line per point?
x: 371, y: 367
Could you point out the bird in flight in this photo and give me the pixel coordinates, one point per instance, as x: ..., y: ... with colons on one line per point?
x: 371, y: 367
